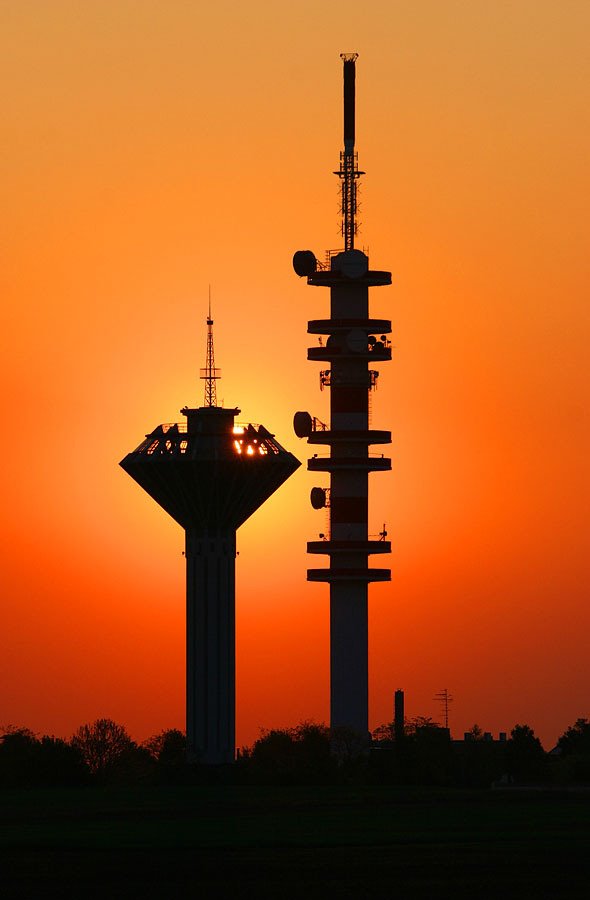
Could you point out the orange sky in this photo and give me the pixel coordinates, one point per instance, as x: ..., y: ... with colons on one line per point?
x: 151, y: 148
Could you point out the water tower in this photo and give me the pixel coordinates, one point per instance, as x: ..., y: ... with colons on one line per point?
x: 210, y: 474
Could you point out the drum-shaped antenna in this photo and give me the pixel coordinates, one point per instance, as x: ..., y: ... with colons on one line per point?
x: 317, y: 497
x: 304, y: 263
x: 302, y: 424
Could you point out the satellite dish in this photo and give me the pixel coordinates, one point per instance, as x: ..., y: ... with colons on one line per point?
x: 302, y: 424
x: 318, y: 497
x: 304, y: 262
x: 354, y: 264
x: 356, y: 340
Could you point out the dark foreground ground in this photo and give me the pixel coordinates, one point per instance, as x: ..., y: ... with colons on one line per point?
x: 262, y: 842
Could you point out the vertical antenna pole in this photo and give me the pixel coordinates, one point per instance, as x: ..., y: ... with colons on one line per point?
x: 445, y: 698
x: 210, y: 374
x: 349, y: 172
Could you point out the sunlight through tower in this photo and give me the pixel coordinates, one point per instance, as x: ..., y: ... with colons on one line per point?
x: 210, y: 474
x: 354, y: 344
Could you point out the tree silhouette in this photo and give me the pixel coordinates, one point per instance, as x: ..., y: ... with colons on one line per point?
x: 58, y: 762
x: 475, y: 733
x: 102, y: 744
x: 167, y: 746
x: 28, y: 761
x: 17, y: 756
x: 574, y: 748
x: 524, y: 756
x: 576, y: 739
x: 384, y: 734
x: 291, y: 755
x: 168, y: 750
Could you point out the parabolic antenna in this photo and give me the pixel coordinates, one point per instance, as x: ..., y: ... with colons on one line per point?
x: 304, y: 262
x: 317, y: 497
x: 302, y: 424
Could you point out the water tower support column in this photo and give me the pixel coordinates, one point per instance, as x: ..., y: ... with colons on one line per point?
x: 210, y: 650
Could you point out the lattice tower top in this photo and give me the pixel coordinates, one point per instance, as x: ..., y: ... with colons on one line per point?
x: 210, y: 374
x: 349, y: 172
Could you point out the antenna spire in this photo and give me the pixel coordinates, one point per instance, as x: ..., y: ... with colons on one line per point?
x: 349, y: 171
x: 210, y: 374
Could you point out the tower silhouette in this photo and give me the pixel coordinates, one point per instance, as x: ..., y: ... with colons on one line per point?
x: 355, y: 342
x: 210, y: 474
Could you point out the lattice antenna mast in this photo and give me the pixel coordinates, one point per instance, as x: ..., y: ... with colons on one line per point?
x: 349, y: 171
x: 210, y: 374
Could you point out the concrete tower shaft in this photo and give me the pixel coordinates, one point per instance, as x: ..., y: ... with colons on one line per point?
x: 210, y: 474
x: 354, y: 344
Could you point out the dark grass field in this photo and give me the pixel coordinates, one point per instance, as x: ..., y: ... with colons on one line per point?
x: 264, y: 842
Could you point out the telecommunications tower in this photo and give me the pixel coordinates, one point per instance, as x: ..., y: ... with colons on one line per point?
x: 210, y: 474
x: 355, y: 344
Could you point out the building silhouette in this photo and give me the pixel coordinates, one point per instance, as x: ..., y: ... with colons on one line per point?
x: 350, y: 343
x: 210, y: 474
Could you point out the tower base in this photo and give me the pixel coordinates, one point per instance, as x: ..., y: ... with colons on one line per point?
x: 210, y: 647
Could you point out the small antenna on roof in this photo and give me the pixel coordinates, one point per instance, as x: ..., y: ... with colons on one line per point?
x: 210, y: 374
x: 444, y: 698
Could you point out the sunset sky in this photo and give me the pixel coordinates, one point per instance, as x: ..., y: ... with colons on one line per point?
x: 154, y: 147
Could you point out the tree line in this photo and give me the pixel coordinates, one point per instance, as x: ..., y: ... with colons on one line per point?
x: 103, y: 753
